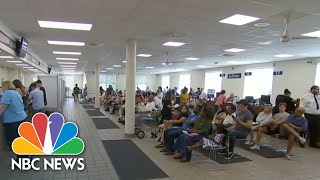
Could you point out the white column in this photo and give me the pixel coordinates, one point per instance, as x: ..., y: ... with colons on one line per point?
x: 97, y: 87
x: 130, y: 87
x: 19, y: 74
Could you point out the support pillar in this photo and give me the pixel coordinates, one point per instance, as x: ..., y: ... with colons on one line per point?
x: 97, y: 86
x: 130, y: 87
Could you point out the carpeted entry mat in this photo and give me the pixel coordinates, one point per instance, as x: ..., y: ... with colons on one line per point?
x: 265, y: 151
x: 130, y: 162
x: 88, y: 106
x: 221, y: 160
x: 104, y: 123
x: 94, y: 113
x: 84, y: 102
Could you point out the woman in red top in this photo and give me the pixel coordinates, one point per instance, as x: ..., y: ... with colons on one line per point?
x: 222, y: 98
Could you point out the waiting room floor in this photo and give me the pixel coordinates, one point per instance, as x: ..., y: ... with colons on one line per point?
x: 99, y: 166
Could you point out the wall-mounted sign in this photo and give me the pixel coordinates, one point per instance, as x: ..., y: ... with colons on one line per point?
x: 277, y: 73
x: 222, y: 75
x: 248, y: 73
x: 234, y: 76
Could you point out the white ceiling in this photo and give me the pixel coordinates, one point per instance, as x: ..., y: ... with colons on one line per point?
x: 150, y: 22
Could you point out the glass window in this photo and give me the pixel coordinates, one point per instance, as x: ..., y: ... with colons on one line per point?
x: 141, y: 82
x: 108, y: 79
x: 259, y: 83
x: 213, y: 81
x: 184, y: 81
x: 165, y: 81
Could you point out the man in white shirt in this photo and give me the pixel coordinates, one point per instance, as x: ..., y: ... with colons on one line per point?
x: 310, y: 102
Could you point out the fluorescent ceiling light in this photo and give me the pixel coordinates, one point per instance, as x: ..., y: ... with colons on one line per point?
x: 265, y: 43
x: 66, y: 43
x: 234, y: 50
x: 149, y: 67
x: 22, y: 65
x: 27, y: 67
x: 233, y: 62
x: 14, y: 61
x: 201, y: 66
x: 179, y: 69
x: 109, y: 68
x: 144, y: 55
x: 192, y: 58
x: 6, y: 57
x: 118, y: 66
x: 68, y: 59
x: 67, y: 66
x: 65, y: 25
x: 103, y: 71
x: 283, y: 55
x: 67, y: 63
x: 67, y: 53
x: 124, y: 61
x: 174, y: 44
x: 239, y: 20
x: 313, y: 34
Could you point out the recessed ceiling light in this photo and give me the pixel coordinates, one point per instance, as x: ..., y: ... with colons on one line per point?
x: 192, y: 58
x: 22, y: 65
x: 118, y: 66
x: 201, y: 66
x: 283, y: 55
x: 239, y: 20
x: 265, y: 43
x: 174, y: 44
x: 144, y: 55
x: 66, y: 43
x: 313, y: 34
x: 67, y: 63
x: 179, y: 69
x: 70, y: 66
x: 149, y: 67
x: 6, y: 57
x: 103, y: 71
x: 65, y: 25
x: 14, y: 61
x: 261, y: 25
x: 109, y: 68
x: 66, y: 53
x: 68, y: 59
x: 124, y: 61
x: 27, y: 67
x: 233, y: 62
x: 169, y: 64
x: 234, y: 50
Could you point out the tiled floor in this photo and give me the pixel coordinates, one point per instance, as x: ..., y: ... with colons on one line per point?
x: 98, y: 165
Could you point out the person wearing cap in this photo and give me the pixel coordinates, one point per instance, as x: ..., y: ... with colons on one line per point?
x: 310, y: 102
x: 285, y: 98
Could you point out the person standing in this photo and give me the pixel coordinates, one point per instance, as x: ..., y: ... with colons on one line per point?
x: 85, y: 92
x: 109, y: 89
x: 39, y: 85
x: 76, y: 93
x: 310, y: 102
x: 36, y: 95
x: 19, y: 87
x: 12, y: 111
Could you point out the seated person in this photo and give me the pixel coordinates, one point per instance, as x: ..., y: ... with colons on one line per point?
x: 242, y: 127
x: 219, y: 117
x: 200, y: 129
x: 117, y: 103
x: 184, y: 113
x: 210, y: 141
x: 264, y: 117
x: 229, y: 122
x: 285, y: 98
x: 271, y: 127
x: 293, y: 127
x: 108, y: 100
x: 171, y: 133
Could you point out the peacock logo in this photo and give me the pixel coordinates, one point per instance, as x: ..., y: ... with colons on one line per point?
x: 48, y: 136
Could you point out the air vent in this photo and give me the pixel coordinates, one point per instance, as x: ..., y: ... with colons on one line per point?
x: 226, y: 55
x: 95, y: 44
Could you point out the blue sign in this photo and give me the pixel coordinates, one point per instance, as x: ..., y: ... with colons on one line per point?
x: 234, y: 76
x: 277, y: 73
x: 248, y: 73
x: 222, y: 75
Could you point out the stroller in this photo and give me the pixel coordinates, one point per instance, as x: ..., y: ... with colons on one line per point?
x: 147, y: 118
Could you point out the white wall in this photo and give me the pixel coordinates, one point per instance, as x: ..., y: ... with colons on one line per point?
x: 8, y: 74
x: 298, y: 76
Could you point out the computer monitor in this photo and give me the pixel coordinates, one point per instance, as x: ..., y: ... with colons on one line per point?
x: 265, y: 99
x: 249, y: 99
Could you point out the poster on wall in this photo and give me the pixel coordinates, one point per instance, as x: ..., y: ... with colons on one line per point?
x: 234, y: 76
